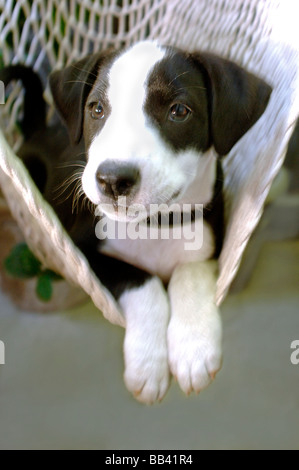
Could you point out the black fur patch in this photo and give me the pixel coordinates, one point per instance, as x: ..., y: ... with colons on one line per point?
x: 176, y: 80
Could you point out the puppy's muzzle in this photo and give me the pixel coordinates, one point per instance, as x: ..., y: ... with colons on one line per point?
x: 117, y: 179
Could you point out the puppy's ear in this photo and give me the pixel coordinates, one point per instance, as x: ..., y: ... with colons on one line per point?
x: 70, y: 88
x: 238, y: 99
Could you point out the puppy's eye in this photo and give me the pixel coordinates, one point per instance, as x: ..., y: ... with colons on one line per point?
x: 179, y: 113
x: 97, y: 111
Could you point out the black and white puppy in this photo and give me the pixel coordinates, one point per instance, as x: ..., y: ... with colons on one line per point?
x: 154, y: 120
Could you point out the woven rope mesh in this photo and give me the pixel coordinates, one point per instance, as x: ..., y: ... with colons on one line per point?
x: 260, y: 35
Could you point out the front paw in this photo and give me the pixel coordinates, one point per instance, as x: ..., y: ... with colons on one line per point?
x: 146, y: 372
x: 195, y: 351
x: 145, y: 348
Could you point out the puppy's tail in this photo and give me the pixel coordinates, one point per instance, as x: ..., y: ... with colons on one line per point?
x: 34, y: 116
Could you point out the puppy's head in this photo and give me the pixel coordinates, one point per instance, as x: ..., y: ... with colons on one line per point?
x: 149, y: 114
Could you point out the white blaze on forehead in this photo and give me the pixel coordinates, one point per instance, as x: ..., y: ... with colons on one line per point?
x: 126, y: 135
x: 128, y: 77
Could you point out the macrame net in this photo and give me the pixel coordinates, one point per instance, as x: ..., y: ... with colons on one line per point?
x: 260, y: 35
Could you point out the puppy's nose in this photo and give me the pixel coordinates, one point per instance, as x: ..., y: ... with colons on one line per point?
x: 117, y: 179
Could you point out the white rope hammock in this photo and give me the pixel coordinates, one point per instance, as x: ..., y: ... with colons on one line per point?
x: 260, y: 35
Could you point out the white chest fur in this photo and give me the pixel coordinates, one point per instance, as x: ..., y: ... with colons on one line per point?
x: 160, y: 257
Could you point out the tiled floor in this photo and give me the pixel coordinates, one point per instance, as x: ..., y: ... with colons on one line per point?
x: 62, y: 388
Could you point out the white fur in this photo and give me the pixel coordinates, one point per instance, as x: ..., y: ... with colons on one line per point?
x: 160, y: 257
x: 195, y: 330
x: 146, y: 310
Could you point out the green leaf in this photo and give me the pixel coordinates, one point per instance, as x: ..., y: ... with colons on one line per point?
x: 21, y: 263
x: 44, y: 288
